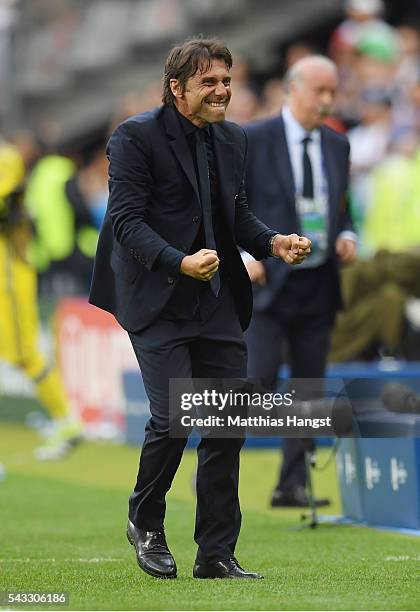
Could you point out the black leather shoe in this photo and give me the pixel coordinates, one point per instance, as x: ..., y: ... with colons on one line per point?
x: 229, y: 568
x: 153, y: 554
x: 295, y: 499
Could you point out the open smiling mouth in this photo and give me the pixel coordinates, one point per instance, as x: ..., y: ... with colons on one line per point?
x: 217, y: 104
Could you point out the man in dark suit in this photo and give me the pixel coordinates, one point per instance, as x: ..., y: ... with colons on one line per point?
x: 168, y: 268
x: 297, y: 171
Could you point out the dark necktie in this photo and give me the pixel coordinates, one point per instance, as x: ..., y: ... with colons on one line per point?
x: 205, y: 194
x: 308, y: 180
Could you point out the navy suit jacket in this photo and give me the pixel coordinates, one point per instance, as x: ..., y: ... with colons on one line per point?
x: 154, y: 206
x: 271, y: 195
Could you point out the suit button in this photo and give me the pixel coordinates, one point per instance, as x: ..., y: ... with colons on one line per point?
x: 184, y: 248
x: 196, y: 219
x: 170, y: 280
x: 131, y: 251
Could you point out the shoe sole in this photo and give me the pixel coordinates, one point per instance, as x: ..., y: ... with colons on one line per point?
x: 147, y: 570
x: 225, y: 577
x: 212, y: 577
x: 228, y: 577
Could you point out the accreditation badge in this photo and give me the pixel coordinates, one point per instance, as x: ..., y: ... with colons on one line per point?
x: 313, y: 215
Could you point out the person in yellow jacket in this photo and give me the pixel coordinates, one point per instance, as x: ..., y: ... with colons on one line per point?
x: 393, y: 219
x: 66, y: 201
x: 19, y: 321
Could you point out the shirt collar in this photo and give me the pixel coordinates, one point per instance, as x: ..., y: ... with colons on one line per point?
x: 187, y: 126
x: 295, y: 131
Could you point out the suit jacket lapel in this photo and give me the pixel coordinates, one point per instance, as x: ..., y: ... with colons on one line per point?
x: 179, y: 145
x: 332, y: 179
x: 224, y: 153
x: 283, y: 165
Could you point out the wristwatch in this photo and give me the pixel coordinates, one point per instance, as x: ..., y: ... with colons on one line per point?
x: 270, y: 246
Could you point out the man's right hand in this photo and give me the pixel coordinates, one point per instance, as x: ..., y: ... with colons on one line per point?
x: 202, y: 265
x: 256, y: 272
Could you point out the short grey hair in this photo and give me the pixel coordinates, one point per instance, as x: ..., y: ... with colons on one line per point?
x: 295, y: 72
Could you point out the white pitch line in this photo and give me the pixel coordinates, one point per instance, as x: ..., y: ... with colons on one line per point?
x: 402, y: 558
x: 53, y: 560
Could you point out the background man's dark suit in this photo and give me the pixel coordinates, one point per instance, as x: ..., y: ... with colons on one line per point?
x: 153, y: 220
x: 294, y: 305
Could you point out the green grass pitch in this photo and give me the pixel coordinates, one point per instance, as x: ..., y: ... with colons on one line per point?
x: 62, y: 528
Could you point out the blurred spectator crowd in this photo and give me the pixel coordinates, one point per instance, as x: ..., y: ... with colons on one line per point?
x: 377, y: 105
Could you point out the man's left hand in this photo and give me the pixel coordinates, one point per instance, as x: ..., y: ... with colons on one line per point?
x: 346, y: 250
x: 293, y: 249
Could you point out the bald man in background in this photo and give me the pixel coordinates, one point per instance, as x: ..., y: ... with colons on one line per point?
x: 297, y: 175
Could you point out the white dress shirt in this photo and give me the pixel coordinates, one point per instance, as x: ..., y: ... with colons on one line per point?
x: 295, y: 134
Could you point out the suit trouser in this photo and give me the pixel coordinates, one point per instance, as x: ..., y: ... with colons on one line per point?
x: 212, y: 347
x: 304, y: 325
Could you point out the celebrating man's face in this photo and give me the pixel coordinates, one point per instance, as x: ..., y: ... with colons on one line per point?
x: 206, y: 95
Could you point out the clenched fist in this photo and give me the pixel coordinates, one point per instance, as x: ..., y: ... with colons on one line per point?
x: 293, y: 249
x: 202, y: 265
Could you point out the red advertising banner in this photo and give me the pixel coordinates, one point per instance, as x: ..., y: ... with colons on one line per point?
x: 94, y: 351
